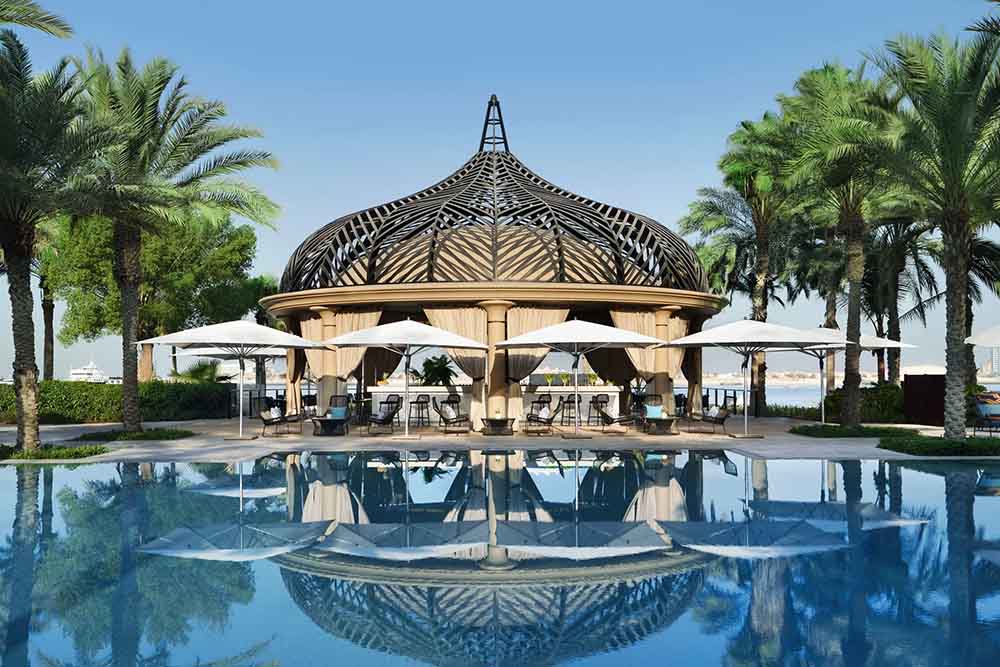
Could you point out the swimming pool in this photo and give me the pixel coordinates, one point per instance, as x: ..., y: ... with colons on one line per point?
x: 501, y: 558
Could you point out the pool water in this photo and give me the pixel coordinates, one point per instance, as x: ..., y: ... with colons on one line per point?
x: 502, y: 558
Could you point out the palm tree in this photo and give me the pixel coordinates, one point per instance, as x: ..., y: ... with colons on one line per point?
x: 30, y: 15
x: 749, y: 210
x: 948, y: 152
x: 903, y: 250
x: 43, y: 249
x: 168, y: 164
x: 45, y: 140
x: 836, y: 126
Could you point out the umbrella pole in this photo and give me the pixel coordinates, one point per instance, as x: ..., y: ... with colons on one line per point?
x: 242, y: 368
x: 406, y: 392
x: 746, y: 397
x: 822, y: 392
x: 576, y: 393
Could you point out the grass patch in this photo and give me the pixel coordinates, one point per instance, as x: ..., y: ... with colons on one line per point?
x: 928, y: 445
x: 149, y: 434
x: 837, y: 431
x: 52, y: 452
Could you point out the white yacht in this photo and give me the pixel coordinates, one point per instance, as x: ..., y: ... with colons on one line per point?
x: 88, y: 373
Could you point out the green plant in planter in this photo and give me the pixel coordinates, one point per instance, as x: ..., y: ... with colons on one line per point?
x: 564, y: 378
x: 436, y: 371
x: 549, y: 377
x: 592, y: 379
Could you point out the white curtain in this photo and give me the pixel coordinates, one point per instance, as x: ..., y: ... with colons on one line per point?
x: 312, y: 329
x: 521, y: 362
x: 468, y: 321
x: 640, y: 322
x: 349, y: 358
x: 678, y: 328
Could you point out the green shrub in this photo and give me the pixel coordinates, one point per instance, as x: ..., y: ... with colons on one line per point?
x: 926, y: 445
x: 793, y: 411
x: 880, y: 404
x: 148, y: 434
x: 62, y: 402
x: 52, y: 452
x: 837, y: 431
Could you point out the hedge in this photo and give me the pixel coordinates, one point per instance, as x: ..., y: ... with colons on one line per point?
x: 927, y: 445
x: 62, y: 402
x: 881, y: 404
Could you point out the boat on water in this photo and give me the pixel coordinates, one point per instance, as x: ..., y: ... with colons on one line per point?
x: 89, y: 373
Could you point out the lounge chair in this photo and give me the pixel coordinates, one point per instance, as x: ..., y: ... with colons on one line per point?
x: 535, y: 424
x: 456, y: 423
x: 270, y: 421
x: 385, y: 416
x: 621, y: 420
x: 987, y: 414
x: 718, y: 419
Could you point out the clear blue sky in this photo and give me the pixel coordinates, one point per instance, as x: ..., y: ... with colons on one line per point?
x: 626, y: 102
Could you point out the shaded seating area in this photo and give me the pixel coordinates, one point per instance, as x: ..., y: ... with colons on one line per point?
x: 337, y: 419
x: 607, y: 420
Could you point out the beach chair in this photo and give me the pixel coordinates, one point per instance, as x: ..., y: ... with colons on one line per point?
x: 450, y: 419
x: 537, y: 424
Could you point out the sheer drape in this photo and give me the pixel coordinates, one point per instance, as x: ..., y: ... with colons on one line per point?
x: 295, y: 361
x: 640, y: 322
x: 312, y: 329
x: 521, y: 362
x: 678, y: 328
x: 468, y: 321
x: 349, y: 358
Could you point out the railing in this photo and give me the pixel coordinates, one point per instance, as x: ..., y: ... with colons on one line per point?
x: 717, y: 397
x: 256, y: 399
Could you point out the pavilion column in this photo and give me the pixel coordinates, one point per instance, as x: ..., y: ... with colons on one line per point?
x: 496, y: 362
x: 328, y: 383
x: 146, y: 363
x: 663, y: 384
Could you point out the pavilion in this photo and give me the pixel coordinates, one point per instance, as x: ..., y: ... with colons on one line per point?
x: 491, y: 252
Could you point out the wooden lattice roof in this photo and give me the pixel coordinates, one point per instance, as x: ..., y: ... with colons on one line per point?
x: 500, y: 625
x: 494, y: 220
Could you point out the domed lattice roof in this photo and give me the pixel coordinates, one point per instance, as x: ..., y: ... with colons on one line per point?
x: 494, y: 220
x: 494, y: 624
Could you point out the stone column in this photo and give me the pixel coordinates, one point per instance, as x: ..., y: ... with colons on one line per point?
x: 146, y: 363
x: 496, y: 362
x: 328, y: 383
x: 663, y: 384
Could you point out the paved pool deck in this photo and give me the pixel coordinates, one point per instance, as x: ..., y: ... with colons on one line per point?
x: 215, y: 441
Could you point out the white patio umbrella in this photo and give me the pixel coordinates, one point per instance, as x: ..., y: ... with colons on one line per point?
x: 577, y: 338
x: 747, y: 337
x: 867, y: 343
x: 237, y: 541
x: 752, y: 540
x: 240, y: 338
x: 830, y: 516
x: 988, y: 338
x: 405, y: 338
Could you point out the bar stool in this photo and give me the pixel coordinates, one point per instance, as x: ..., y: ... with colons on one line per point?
x: 569, y: 410
x: 420, y: 410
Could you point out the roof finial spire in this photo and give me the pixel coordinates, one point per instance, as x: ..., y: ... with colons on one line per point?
x: 494, y: 135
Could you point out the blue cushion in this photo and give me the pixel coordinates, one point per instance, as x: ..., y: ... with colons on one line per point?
x: 337, y: 413
x: 654, y: 411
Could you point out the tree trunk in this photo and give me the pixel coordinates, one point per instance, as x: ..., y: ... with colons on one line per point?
x: 880, y: 364
x: 48, y: 332
x: 956, y: 237
x: 830, y: 322
x: 21, y: 573
x: 22, y: 305
x: 126, y: 634
x: 855, y: 643
x: 971, y: 372
x: 894, y: 332
x: 960, y: 488
x: 128, y: 274
x: 758, y: 298
x: 173, y: 359
x: 851, y: 412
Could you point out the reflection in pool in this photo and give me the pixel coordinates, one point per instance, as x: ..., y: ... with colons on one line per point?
x: 501, y: 558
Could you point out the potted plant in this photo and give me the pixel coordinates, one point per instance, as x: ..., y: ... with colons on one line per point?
x: 549, y: 377
x: 592, y: 379
x: 564, y: 379
x: 436, y: 371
